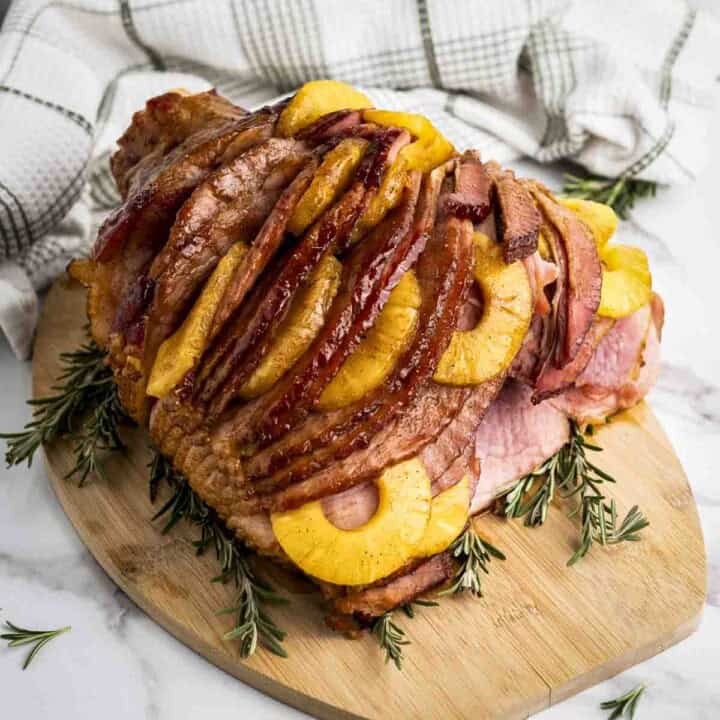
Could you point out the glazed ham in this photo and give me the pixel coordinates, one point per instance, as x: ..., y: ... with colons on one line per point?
x: 199, y: 175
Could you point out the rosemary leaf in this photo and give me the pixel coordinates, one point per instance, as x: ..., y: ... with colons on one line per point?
x: 22, y: 636
x: 84, y: 399
x: 624, y: 705
x: 391, y: 638
x: 473, y: 556
x: 254, y: 625
x: 619, y: 193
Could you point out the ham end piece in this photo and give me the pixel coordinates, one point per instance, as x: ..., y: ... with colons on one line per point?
x: 378, y: 599
x: 515, y: 437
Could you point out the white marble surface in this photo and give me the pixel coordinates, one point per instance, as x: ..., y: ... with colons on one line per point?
x: 116, y: 663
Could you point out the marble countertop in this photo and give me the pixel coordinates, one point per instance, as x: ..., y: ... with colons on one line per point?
x: 117, y: 663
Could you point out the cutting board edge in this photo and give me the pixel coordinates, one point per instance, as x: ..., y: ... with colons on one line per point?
x: 233, y: 666
x: 291, y: 696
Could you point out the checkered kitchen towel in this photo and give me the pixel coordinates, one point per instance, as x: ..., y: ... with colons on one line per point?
x: 622, y: 87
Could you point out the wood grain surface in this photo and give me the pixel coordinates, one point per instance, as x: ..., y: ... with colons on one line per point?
x: 542, y: 632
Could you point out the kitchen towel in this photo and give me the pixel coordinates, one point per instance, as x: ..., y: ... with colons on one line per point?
x: 622, y: 88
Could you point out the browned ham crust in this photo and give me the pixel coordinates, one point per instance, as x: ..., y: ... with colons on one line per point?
x: 230, y: 206
x: 376, y: 600
x: 165, y: 122
x: 516, y: 218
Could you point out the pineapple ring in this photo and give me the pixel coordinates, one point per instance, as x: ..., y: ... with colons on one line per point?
x: 315, y: 99
x: 330, y: 180
x: 430, y: 149
x: 600, y: 218
x: 369, y: 552
x: 376, y: 355
x: 477, y: 355
x: 299, y: 328
x: 178, y: 354
x: 448, y: 516
x: 626, y: 281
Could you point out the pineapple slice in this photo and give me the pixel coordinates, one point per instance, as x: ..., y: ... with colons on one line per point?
x: 299, y: 328
x: 477, y: 355
x: 367, y: 553
x: 315, y: 99
x: 386, y: 198
x: 377, y: 353
x: 179, y: 353
x: 330, y: 181
x: 626, y: 281
x: 448, y: 517
x: 429, y: 150
x: 600, y: 218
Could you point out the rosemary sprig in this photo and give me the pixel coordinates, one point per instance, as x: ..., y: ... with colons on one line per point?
x: 599, y: 524
x: 254, y: 624
x: 619, y: 193
x: 391, y: 638
x: 22, y: 636
x: 473, y: 555
x: 625, y: 704
x: 85, y: 395
x: 519, y: 502
x: 570, y: 473
x: 100, y: 433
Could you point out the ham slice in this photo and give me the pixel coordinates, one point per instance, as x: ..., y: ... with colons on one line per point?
x: 516, y: 218
x: 471, y: 198
x: 370, y: 274
x: 584, y: 273
x: 379, y: 598
x: 515, y: 437
x: 621, y: 372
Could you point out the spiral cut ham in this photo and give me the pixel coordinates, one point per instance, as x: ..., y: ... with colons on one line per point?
x: 199, y: 175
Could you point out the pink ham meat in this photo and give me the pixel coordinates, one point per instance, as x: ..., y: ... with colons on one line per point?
x: 515, y: 437
x: 541, y: 273
x: 553, y: 381
x: 621, y: 372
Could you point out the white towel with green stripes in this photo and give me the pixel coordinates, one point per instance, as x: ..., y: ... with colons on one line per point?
x: 622, y: 88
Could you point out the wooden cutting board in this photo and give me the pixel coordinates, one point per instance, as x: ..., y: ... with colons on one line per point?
x: 542, y: 633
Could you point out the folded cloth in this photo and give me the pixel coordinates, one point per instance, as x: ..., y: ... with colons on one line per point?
x: 622, y: 88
